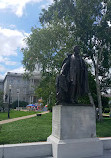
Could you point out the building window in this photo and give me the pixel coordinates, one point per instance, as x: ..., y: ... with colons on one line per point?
x: 11, y: 81
x: 24, y: 99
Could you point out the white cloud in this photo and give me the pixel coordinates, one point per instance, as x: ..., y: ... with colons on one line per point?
x: 10, y: 41
x: 109, y: 23
x: 12, y: 26
x: 16, y: 6
x: 18, y: 70
x: 2, y: 76
x: 2, y: 68
x: 3, y: 71
x: 7, y: 61
x: 45, y: 5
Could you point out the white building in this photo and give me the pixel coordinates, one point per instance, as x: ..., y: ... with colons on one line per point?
x: 21, y: 87
x: 1, y: 85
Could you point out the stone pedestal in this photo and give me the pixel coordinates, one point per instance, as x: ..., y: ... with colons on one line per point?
x: 74, y: 132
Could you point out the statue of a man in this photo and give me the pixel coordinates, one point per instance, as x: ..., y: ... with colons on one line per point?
x: 73, y: 79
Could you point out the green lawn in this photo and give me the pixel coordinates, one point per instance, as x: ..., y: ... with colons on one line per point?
x: 27, y: 130
x: 15, y: 114
x: 104, y: 128
x: 39, y: 128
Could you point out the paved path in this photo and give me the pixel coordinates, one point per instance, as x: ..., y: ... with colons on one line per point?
x: 107, y: 154
x: 41, y: 157
x: 21, y: 118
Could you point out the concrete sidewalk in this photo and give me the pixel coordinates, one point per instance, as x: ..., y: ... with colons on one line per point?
x: 20, y: 118
x: 107, y: 154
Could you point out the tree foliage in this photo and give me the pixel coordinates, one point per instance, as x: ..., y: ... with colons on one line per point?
x: 47, y: 91
x: 21, y: 104
x: 67, y: 23
x: 1, y: 99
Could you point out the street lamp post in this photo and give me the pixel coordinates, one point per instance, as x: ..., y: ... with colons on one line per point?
x: 9, y: 101
x: 18, y: 92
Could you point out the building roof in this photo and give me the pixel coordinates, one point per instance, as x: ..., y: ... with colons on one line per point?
x: 34, y: 76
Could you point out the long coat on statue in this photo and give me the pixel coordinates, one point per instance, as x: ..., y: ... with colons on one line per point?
x: 73, y: 79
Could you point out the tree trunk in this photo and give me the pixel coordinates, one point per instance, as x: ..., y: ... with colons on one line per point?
x: 96, y: 66
x: 91, y: 99
x: 98, y: 94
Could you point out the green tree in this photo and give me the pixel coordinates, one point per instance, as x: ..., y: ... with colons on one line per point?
x: 64, y: 24
x: 1, y: 99
x: 46, y: 90
x: 87, y: 20
x: 21, y: 104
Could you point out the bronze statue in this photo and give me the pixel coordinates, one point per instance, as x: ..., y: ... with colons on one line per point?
x: 73, y: 79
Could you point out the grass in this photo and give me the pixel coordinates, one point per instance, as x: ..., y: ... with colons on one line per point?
x: 29, y: 130
x: 39, y: 128
x: 103, y: 129
x: 15, y: 114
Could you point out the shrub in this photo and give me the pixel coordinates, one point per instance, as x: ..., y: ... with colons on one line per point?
x: 21, y: 104
x: 105, y: 101
x: 0, y: 128
x: 106, y: 110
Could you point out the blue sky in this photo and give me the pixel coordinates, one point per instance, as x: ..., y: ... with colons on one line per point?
x: 17, y: 17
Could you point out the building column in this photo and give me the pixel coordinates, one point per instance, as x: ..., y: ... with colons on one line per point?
x: 30, y: 99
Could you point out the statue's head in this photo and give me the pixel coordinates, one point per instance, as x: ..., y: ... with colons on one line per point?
x: 76, y: 50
